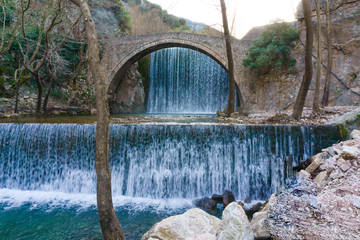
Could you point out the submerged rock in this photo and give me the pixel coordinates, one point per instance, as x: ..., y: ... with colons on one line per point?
x: 234, y: 224
x: 217, y: 198
x: 206, y: 203
x: 253, y: 209
x: 228, y: 197
x: 194, y: 224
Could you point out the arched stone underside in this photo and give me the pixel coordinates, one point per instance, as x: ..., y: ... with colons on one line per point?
x: 121, y: 55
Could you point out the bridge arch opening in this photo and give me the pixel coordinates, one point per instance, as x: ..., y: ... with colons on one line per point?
x: 136, y: 54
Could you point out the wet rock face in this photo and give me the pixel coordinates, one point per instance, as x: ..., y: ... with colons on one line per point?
x: 324, y: 205
x: 130, y: 94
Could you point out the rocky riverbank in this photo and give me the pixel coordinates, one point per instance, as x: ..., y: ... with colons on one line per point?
x: 324, y: 204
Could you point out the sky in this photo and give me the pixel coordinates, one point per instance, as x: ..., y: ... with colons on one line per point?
x: 247, y: 13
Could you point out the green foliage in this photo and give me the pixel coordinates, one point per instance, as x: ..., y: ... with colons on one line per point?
x: 56, y: 93
x: 123, y: 17
x: 343, y: 132
x: 353, y: 76
x: 2, y: 86
x: 143, y: 68
x: 172, y: 21
x: 8, y: 14
x: 70, y: 51
x: 136, y: 2
x: 273, y: 49
x: 182, y: 21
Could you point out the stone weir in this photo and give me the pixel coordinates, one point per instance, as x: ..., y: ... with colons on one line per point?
x: 159, y: 161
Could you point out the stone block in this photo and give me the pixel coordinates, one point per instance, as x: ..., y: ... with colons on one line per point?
x: 346, y: 165
x: 321, y: 178
x: 350, y: 153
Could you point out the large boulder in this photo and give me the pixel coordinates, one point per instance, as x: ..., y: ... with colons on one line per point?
x: 235, y: 224
x: 194, y: 224
x: 258, y: 225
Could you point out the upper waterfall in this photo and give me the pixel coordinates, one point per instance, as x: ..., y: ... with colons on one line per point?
x: 186, y: 81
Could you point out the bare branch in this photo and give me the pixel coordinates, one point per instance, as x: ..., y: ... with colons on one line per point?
x: 76, y: 2
x: 23, y: 11
x: 4, y: 26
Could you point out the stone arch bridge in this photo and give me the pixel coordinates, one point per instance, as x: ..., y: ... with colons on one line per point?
x: 121, y: 54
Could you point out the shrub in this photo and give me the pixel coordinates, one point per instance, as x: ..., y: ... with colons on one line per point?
x: 273, y: 49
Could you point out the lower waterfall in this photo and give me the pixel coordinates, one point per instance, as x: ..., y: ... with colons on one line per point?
x: 158, y: 161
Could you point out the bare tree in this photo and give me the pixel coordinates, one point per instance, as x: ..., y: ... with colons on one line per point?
x: 45, y: 51
x: 37, y: 61
x: 231, y: 100
x: 110, y: 226
x: 325, y: 99
x: 305, y: 84
x: 11, y: 30
x: 55, y: 63
x: 316, y: 103
x: 72, y: 83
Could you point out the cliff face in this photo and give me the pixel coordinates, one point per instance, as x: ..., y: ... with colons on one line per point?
x: 345, y: 17
x: 277, y: 91
x: 130, y: 95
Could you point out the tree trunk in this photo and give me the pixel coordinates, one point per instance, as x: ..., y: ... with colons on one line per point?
x: 40, y: 92
x: 325, y: 99
x: 17, y: 79
x: 305, y: 84
x: 110, y: 226
x: 16, y: 110
x: 231, y: 100
x: 46, y: 99
x: 316, y: 104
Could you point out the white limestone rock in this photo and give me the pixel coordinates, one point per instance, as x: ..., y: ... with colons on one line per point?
x: 355, y: 135
x: 235, y: 224
x: 304, y: 175
x: 258, y: 225
x: 321, y: 178
x: 194, y: 224
x: 349, y: 153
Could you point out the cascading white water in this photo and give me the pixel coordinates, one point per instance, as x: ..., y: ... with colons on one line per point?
x: 186, y: 81
x: 160, y: 161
